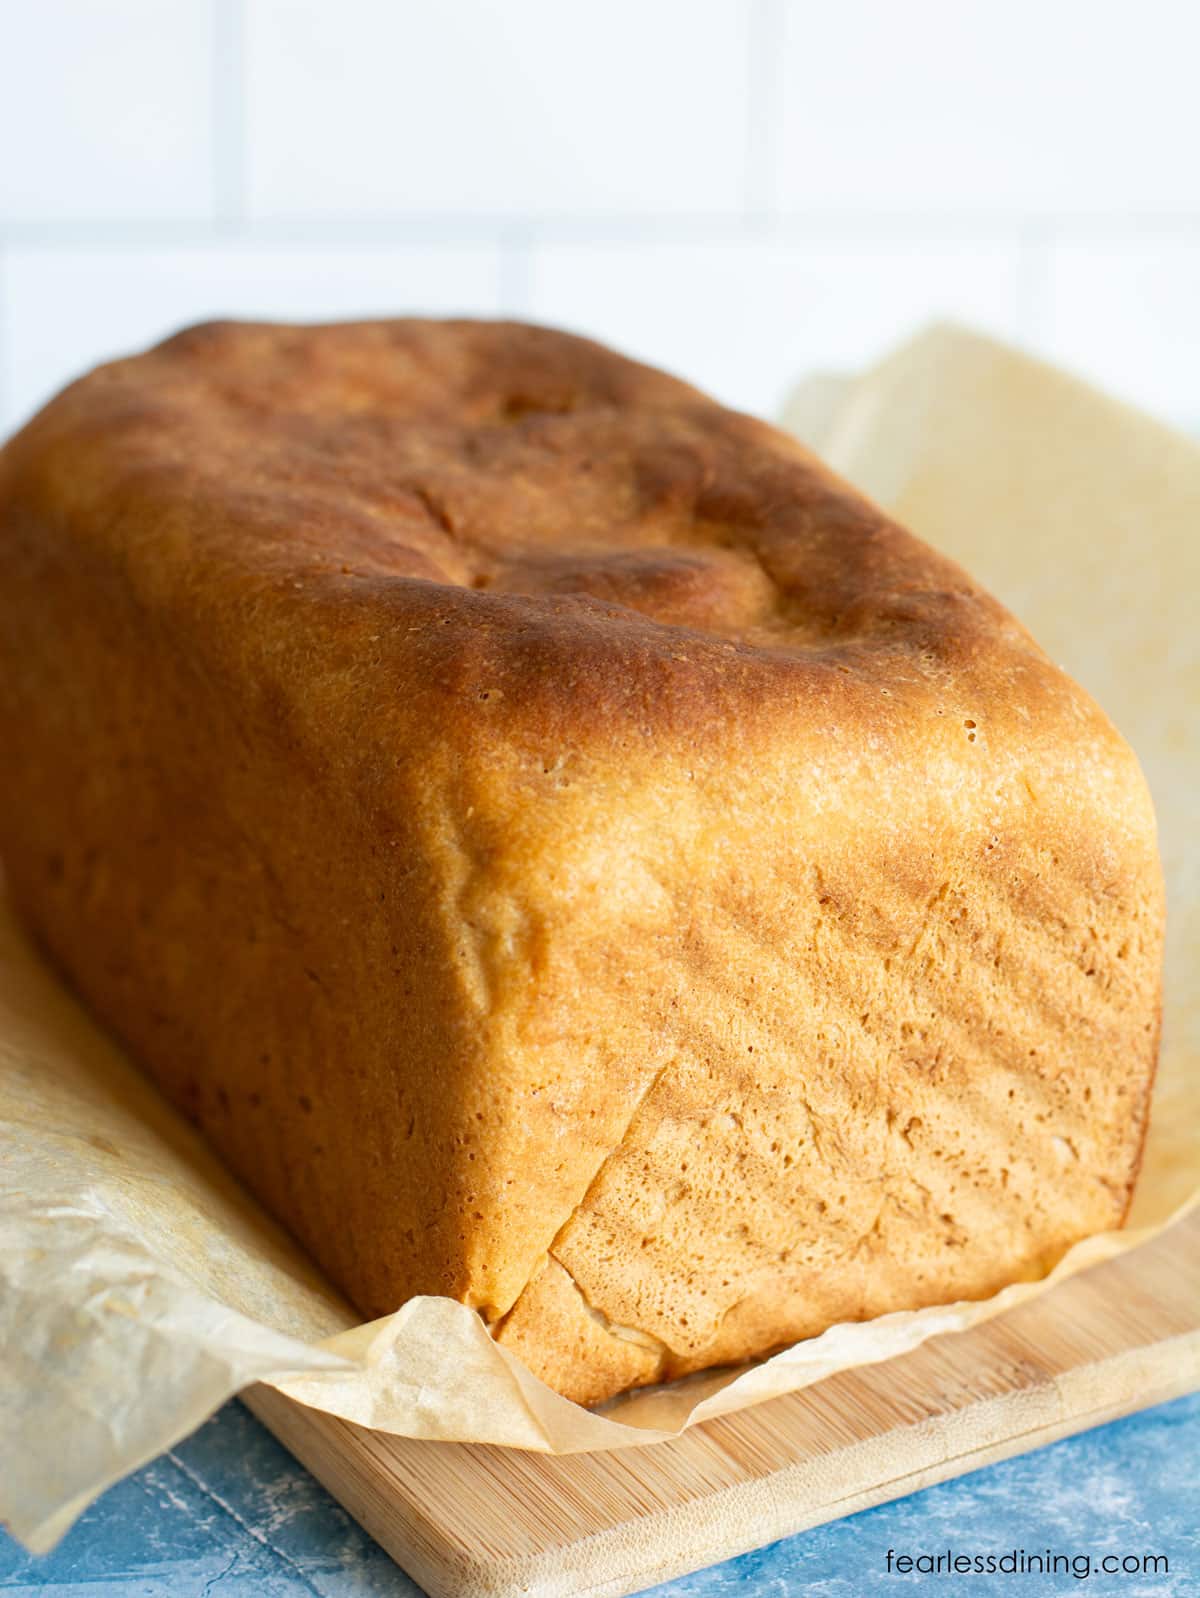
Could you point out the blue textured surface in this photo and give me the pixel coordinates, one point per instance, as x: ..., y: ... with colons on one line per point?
x: 230, y: 1513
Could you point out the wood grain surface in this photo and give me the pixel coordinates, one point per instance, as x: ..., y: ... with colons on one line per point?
x: 484, y: 1522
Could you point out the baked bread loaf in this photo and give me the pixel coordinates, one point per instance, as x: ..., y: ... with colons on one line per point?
x: 566, y: 849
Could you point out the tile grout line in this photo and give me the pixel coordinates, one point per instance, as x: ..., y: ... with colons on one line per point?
x: 228, y: 96
x: 1034, y: 277
x: 514, y: 272
x: 882, y: 229
x: 764, y: 40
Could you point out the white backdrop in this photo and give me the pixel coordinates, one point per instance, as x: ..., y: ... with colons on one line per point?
x: 736, y: 189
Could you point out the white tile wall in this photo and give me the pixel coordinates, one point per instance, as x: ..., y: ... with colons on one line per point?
x: 738, y: 189
x: 1043, y: 107
x: 535, y: 107
x: 106, y: 111
x: 1127, y: 314
x: 743, y: 319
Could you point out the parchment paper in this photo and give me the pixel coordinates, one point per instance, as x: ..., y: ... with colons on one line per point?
x: 139, y: 1287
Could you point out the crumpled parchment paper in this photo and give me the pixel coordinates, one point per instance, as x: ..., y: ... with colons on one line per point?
x: 139, y: 1287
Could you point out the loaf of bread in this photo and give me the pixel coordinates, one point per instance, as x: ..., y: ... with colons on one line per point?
x: 564, y: 848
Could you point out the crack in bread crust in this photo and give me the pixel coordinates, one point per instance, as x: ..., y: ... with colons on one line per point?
x: 499, y: 1325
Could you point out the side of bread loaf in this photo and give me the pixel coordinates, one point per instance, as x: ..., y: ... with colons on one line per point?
x: 564, y: 848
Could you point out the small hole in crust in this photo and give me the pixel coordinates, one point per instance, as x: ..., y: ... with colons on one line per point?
x: 515, y: 407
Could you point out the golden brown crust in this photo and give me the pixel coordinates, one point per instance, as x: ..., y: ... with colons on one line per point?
x: 565, y: 848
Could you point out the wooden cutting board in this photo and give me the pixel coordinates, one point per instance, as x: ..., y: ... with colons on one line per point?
x: 483, y: 1522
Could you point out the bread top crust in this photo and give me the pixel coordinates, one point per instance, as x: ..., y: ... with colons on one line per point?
x: 497, y: 459
x: 576, y: 524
